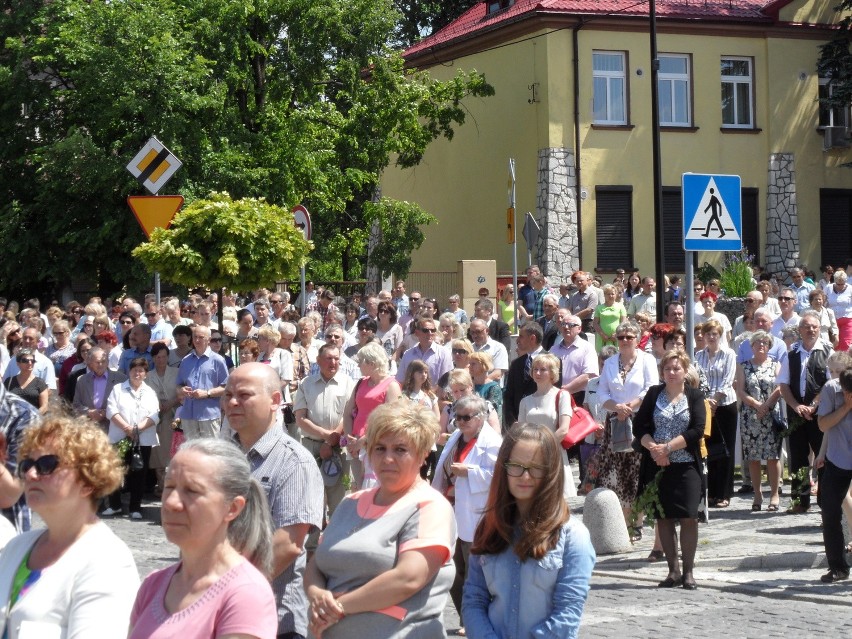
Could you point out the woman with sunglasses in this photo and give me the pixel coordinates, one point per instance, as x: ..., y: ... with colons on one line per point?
x: 463, y: 475
x: 531, y: 562
x: 625, y: 378
x: 26, y: 384
x: 75, y: 578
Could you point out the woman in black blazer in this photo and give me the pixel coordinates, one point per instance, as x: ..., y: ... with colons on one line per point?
x: 670, y: 425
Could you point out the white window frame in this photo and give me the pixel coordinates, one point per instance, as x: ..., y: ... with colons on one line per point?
x: 837, y: 116
x: 611, y: 77
x: 673, y: 79
x: 736, y: 80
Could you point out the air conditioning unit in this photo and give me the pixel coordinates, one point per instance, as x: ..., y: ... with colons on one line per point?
x: 835, y: 137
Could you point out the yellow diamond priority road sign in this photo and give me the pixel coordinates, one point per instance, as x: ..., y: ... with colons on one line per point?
x: 154, y: 165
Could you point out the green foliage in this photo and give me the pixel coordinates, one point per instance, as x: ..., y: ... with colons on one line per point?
x: 420, y: 19
x: 706, y: 272
x: 835, y: 62
x: 735, y: 278
x: 649, y: 502
x: 219, y: 242
x: 263, y: 99
x: 399, y: 225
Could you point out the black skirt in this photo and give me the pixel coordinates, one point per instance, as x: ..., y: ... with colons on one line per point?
x: 680, y: 491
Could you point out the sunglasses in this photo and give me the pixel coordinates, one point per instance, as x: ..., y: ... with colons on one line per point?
x: 26, y: 360
x: 518, y: 470
x: 150, y: 315
x: 785, y: 298
x: 44, y: 465
x: 429, y: 330
x: 466, y: 418
x: 215, y: 340
x: 459, y: 351
x: 621, y: 338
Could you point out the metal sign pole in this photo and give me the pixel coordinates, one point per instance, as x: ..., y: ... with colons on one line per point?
x: 157, y: 286
x: 689, y: 306
x: 514, y: 238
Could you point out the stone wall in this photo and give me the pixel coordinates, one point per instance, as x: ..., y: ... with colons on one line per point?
x: 782, y: 215
x: 558, y: 248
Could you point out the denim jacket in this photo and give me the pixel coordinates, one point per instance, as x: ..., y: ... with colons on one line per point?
x: 505, y: 598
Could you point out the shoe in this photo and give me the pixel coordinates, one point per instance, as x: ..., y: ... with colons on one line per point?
x: 656, y: 555
x: 746, y: 489
x: 772, y: 508
x: 834, y: 575
x: 757, y: 507
x: 720, y: 503
x: 636, y: 534
x: 136, y: 515
x: 797, y: 509
x: 849, y: 547
x: 669, y: 582
x: 689, y: 584
x: 109, y: 512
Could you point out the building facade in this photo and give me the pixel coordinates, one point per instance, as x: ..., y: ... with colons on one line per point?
x: 738, y: 95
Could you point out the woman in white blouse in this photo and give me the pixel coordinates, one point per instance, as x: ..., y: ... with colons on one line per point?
x: 133, y: 411
x: 840, y: 301
x: 720, y: 367
x: 624, y: 380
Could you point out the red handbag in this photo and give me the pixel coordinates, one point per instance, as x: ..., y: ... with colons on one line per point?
x: 582, y: 425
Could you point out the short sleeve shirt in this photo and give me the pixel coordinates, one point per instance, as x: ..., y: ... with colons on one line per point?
x: 364, y: 540
x: 839, y: 446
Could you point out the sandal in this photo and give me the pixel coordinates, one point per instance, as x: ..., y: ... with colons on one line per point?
x: 635, y: 534
x: 849, y: 547
x: 772, y: 508
x: 757, y: 506
x: 657, y: 555
x: 722, y: 503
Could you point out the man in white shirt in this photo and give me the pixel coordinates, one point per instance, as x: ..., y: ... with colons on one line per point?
x: 788, y: 317
x: 483, y: 343
x: 646, y: 300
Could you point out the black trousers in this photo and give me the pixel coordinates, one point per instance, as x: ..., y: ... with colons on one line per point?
x: 135, y: 481
x: 834, y: 485
x: 806, y: 437
x: 720, y: 472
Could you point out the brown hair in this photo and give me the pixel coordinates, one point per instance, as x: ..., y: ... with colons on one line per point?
x: 548, y: 511
x: 80, y: 445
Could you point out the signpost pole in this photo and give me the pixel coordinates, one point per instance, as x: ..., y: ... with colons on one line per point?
x: 302, y: 297
x: 157, y: 286
x: 689, y: 304
x: 514, y: 238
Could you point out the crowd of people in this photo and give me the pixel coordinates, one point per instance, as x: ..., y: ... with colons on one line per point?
x: 428, y: 448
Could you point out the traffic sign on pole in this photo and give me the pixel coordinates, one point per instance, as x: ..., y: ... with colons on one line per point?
x: 154, y: 165
x: 154, y: 211
x: 712, y: 212
x: 303, y: 220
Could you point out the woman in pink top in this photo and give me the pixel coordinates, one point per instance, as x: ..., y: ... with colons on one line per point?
x: 377, y: 387
x: 218, y: 516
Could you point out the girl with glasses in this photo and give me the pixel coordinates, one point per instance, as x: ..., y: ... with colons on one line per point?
x: 531, y: 562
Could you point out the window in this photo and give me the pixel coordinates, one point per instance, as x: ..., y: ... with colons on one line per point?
x: 498, y: 5
x: 674, y: 90
x: 831, y: 116
x: 737, y: 106
x: 609, y: 73
x: 614, y: 225
x: 835, y: 219
x: 750, y: 198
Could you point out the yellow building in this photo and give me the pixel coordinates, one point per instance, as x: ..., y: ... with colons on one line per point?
x: 738, y: 93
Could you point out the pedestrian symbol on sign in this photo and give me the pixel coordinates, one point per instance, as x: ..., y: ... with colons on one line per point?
x: 712, y: 218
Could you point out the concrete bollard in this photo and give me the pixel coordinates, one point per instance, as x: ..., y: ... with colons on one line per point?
x: 603, y: 517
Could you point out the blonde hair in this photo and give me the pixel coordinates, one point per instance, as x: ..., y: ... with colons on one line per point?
x: 552, y: 364
x: 460, y: 376
x: 413, y: 422
x: 373, y: 353
x: 484, y: 359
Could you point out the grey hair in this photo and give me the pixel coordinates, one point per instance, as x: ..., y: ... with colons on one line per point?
x: 790, y: 331
x: 471, y: 402
x: 628, y: 326
x: 251, y: 532
x: 373, y: 353
x: 607, y: 351
x: 840, y: 276
x: 288, y: 329
x: 809, y: 313
x: 550, y: 297
x: 760, y: 336
x: 839, y: 359
x: 762, y: 311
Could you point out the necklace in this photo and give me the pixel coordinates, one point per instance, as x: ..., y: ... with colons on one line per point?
x: 624, y: 369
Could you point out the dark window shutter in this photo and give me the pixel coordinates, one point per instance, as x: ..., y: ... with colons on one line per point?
x: 835, y: 216
x: 614, y: 222
x: 751, y: 226
x: 674, y: 257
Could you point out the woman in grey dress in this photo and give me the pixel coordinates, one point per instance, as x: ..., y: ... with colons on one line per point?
x: 758, y: 395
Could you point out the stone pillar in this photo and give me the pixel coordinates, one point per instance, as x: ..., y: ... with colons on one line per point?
x: 782, y: 215
x: 558, y: 247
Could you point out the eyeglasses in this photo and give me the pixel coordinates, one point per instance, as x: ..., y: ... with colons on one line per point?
x: 569, y: 325
x: 150, y: 315
x: 466, y: 418
x: 750, y: 301
x: 429, y: 330
x: 459, y: 351
x: 785, y: 298
x: 517, y: 470
x: 384, y: 310
x: 26, y: 360
x: 215, y: 340
x: 88, y: 325
x: 621, y: 338
x: 60, y: 332
x: 44, y: 465
x: 277, y: 301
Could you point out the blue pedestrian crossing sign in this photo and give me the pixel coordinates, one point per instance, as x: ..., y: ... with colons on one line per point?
x: 712, y: 212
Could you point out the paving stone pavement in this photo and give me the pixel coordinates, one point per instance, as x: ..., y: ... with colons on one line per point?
x: 758, y: 576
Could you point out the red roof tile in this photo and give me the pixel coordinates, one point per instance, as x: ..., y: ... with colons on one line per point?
x: 475, y: 19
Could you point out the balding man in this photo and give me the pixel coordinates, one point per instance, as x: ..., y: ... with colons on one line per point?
x: 753, y: 300
x: 201, y: 379
x: 94, y: 386
x: 579, y: 361
x: 675, y: 314
x: 763, y: 322
x: 290, y: 478
x: 498, y: 330
x: 583, y: 303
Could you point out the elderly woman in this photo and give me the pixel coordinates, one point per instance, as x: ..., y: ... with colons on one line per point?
x: 454, y: 307
x: 760, y: 412
x: 450, y: 329
x: 840, y: 301
x: 280, y: 360
x: 62, y: 347
x: 625, y: 378
x: 607, y: 317
x: 827, y: 321
x: 660, y: 332
x: 531, y: 561
x: 461, y: 385
x: 670, y: 426
x: 26, y: 384
x: 306, y: 332
x: 74, y: 578
x: 463, y: 475
x: 384, y: 565
x: 133, y: 410
x: 720, y: 366
x: 249, y: 351
x: 708, y: 302
x: 376, y: 387
x: 549, y: 406
x: 163, y: 380
x: 218, y: 516
x: 764, y: 287
x: 480, y: 366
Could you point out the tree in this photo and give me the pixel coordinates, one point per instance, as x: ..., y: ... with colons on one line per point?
x: 294, y: 101
x: 835, y: 63
x: 399, y: 225
x: 420, y: 19
x: 218, y: 242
